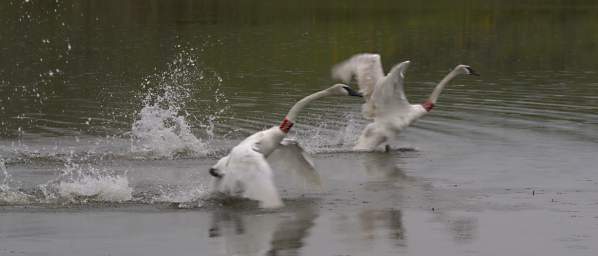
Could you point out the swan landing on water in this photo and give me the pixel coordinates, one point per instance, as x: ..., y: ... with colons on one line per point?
x: 385, y: 100
x: 245, y: 170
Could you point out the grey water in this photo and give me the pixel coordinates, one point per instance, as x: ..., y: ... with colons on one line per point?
x: 111, y: 113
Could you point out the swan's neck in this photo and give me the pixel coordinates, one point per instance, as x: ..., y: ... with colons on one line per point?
x: 289, y: 120
x: 434, y: 96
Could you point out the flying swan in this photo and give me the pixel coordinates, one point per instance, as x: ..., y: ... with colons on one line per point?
x: 245, y: 170
x: 385, y: 100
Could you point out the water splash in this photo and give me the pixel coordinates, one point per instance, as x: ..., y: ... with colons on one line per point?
x: 328, y: 137
x: 163, y: 127
x: 102, y: 188
x: 161, y: 132
x: 84, y: 183
x: 96, y: 185
x: 7, y: 192
x: 194, y: 193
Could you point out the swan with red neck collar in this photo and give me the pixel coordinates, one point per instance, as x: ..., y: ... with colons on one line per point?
x: 245, y: 171
x: 386, y: 103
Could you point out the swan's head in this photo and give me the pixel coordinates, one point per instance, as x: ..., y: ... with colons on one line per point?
x: 466, y: 70
x: 217, y: 170
x: 343, y: 90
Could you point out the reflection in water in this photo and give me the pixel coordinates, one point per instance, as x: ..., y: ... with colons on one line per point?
x: 384, y: 165
x: 463, y: 228
x: 269, y: 234
x: 391, y: 220
x: 404, y: 189
x: 290, y: 234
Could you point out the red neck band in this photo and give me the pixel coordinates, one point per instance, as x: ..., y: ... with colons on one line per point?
x: 428, y: 105
x: 286, y: 125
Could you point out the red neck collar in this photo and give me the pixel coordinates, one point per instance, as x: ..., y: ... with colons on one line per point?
x: 286, y: 125
x: 428, y: 105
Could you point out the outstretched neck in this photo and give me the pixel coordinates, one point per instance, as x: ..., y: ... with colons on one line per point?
x: 430, y: 102
x: 434, y: 96
x: 289, y: 120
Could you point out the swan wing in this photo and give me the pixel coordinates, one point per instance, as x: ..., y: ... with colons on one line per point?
x: 389, y: 95
x: 367, y: 69
x: 249, y: 173
x: 291, y: 157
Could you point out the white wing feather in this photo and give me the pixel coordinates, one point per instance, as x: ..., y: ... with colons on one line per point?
x: 291, y: 157
x: 248, y: 173
x: 366, y: 68
x: 389, y: 95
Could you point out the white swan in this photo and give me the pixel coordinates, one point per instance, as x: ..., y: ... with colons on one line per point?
x: 245, y: 171
x: 385, y: 98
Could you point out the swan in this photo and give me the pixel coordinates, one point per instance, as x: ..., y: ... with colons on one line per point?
x: 386, y: 103
x: 246, y: 172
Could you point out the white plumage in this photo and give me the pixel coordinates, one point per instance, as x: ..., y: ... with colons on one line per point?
x: 386, y: 103
x: 245, y: 171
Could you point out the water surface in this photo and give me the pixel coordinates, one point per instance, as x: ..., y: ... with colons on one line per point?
x: 111, y: 112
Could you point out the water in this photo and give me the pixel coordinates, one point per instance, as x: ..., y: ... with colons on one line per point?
x: 111, y: 114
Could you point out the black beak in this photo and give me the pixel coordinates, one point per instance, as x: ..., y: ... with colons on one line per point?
x: 472, y: 72
x: 353, y: 92
x: 215, y: 173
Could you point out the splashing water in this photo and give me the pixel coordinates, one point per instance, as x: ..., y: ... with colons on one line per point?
x: 85, y: 183
x: 4, y: 185
x: 162, y: 128
x: 188, y: 194
x: 102, y: 188
x: 178, y: 116
x: 162, y: 133
x: 7, y: 193
x: 328, y: 137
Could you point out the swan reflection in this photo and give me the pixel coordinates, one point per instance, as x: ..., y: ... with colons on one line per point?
x: 403, y: 191
x: 241, y: 233
x: 389, y: 220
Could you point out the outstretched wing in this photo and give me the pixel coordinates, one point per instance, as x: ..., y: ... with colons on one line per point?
x: 366, y: 68
x: 389, y: 95
x: 249, y: 173
x: 291, y: 157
